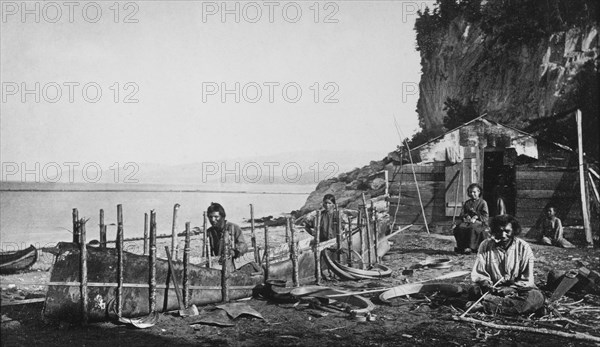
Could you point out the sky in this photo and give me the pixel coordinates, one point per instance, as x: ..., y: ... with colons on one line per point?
x: 174, y: 82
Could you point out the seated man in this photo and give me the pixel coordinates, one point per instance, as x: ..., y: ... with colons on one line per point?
x: 504, y: 270
x: 216, y: 217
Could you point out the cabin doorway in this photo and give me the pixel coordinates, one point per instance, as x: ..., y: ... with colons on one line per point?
x: 499, y: 180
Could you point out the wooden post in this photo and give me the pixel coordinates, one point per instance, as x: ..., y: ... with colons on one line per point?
x: 102, y: 230
x: 338, y: 234
x: 585, y: 203
x: 145, y: 233
x: 119, y: 246
x: 83, y: 278
x: 253, y: 236
x: 152, y: 262
x: 375, y: 233
x: 458, y: 182
x: 349, y: 240
x: 225, y: 256
x: 207, y: 246
x: 287, y: 232
x: 75, y: 226
x: 266, y: 253
x: 362, y: 237
x: 293, y: 254
x: 186, y: 267
x: 594, y: 189
x: 174, y: 231
x: 316, y: 248
x: 368, y: 225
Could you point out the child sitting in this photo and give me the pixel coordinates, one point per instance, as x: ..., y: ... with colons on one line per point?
x: 552, y: 230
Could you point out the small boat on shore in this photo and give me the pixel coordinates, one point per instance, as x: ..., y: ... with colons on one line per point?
x: 12, y: 262
x: 63, y: 299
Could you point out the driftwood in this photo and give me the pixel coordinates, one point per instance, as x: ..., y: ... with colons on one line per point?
x: 575, y: 335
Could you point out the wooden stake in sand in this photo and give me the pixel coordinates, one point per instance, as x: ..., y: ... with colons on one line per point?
x: 316, y: 248
x: 253, y: 236
x: 145, y: 233
x: 375, y: 232
x: 207, y: 248
x: 174, y: 231
x: 186, y: 266
x: 337, y: 224
x: 152, y: 262
x: 266, y: 254
x: 83, y: 289
x: 119, y: 246
x: 368, y: 225
x: 102, y: 230
x: 349, y: 240
x: 75, y: 226
x: 361, y: 236
x: 225, y: 256
x: 294, y: 254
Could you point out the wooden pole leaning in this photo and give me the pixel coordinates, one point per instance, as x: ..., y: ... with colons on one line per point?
x: 145, y: 233
x: 368, y: 225
x: 585, y: 203
x: 102, y: 229
x: 225, y: 256
x: 293, y: 253
x: 174, y: 231
x: 186, y: 267
x: 316, y: 248
x: 349, y: 240
x: 152, y: 263
x: 174, y: 279
x: 266, y: 253
x: 75, y: 226
x: 338, y: 234
x: 119, y: 246
x: 83, y: 274
x: 253, y: 236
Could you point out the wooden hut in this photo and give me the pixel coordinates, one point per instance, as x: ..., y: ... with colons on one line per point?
x: 528, y: 173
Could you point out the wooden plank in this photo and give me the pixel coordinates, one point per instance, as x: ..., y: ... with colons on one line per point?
x: 543, y: 184
x: 439, y: 176
x: 21, y: 302
x: 542, y: 203
x: 547, y: 175
x: 546, y: 194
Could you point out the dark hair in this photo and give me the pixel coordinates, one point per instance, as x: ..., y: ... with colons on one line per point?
x: 475, y: 185
x: 216, y: 207
x: 504, y: 220
x: 329, y: 197
x: 550, y: 207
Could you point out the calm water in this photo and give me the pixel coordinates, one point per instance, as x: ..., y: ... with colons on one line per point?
x: 43, y: 218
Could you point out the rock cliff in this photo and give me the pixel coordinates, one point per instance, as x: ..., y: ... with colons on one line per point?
x: 526, y: 63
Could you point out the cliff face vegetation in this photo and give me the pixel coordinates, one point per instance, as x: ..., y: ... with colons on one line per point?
x: 527, y: 63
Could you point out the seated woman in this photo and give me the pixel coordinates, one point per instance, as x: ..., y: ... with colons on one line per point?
x: 472, y: 229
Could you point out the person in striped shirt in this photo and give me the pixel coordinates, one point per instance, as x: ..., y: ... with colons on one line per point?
x: 504, y: 270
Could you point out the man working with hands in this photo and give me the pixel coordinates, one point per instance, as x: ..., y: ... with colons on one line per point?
x: 503, y: 272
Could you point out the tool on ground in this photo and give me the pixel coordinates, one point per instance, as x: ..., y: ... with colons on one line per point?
x: 566, y: 283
